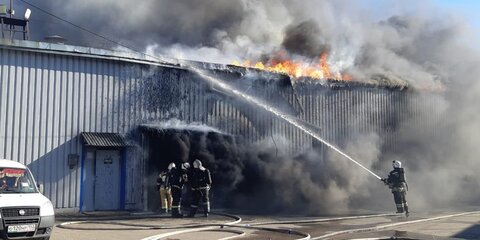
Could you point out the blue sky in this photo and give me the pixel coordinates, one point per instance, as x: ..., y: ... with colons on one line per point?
x: 468, y: 9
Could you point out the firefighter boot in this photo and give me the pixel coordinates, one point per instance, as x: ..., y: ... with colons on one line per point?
x: 400, y: 208
x: 176, y: 213
x: 206, y: 209
x: 405, y: 206
x: 193, y: 210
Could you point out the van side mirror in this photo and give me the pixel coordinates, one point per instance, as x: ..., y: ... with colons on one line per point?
x: 40, y: 187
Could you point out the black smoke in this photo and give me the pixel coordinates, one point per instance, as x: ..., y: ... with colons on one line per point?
x: 260, y: 177
x: 304, y: 39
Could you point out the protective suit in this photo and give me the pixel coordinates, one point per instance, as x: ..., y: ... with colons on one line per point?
x: 175, y: 182
x: 200, y: 181
x: 165, y: 193
x: 397, y: 183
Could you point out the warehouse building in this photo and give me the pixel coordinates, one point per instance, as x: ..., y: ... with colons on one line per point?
x: 81, y: 118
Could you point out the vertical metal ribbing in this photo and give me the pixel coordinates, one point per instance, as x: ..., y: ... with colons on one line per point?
x: 100, y: 96
x: 330, y: 112
x: 112, y: 115
x: 3, y: 82
x: 388, y: 124
x: 131, y: 93
x: 192, y: 104
x: 9, y: 92
x: 11, y: 103
x: 346, y: 118
x: 23, y: 122
x: 118, y: 99
x: 383, y: 118
x: 393, y: 118
x: 371, y: 108
x: 350, y: 127
x: 33, y: 114
x: 378, y: 111
x: 366, y: 110
x: 140, y: 96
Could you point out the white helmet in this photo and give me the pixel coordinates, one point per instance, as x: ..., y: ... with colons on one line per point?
x: 197, y: 163
x: 397, y: 164
x: 185, y: 165
x: 171, y: 165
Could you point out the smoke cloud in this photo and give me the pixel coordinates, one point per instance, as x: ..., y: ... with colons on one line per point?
x: 406, y: 46
x: 263, y: 178
x: 413, y: 44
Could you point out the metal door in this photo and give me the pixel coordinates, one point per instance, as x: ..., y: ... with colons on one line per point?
x: 107, y: 180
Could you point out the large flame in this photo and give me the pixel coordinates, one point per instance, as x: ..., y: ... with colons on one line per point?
x: 318, y: 69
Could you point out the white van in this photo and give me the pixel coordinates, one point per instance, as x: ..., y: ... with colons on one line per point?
x: 24, y: 212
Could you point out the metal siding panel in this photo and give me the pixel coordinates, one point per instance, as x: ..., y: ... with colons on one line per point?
x: 98, y: 98
x: 42, y: 115
x: 50, y: 110
x: 30, y: 109
x: 78, y: 87
x: 91, y: 97
x: 3, y: 81
x: 8, y: 111
x: 85, y: 108
x: 106, y: 114
x: 114, y: 95
x: 36, y: 114
x: 22, y: 76
x: 3, y: 93
x: 70, y: 75
x: 15, y: 110
x: 57, y: 129
x: 123, y: 96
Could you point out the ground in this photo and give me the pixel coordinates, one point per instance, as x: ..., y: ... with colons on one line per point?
x: 119, y: 226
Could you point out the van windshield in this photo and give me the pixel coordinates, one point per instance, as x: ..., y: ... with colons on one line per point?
x: 16, y: 180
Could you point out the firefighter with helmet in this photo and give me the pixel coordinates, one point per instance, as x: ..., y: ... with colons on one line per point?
x: 200, y: 183
x: 175, y: 182
x: 397, y: 183
x: 165, y: 193
x: 187, y: 190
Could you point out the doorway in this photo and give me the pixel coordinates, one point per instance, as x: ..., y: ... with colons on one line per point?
x: 107, y: 180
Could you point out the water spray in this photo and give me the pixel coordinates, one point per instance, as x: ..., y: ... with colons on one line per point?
x: 219, y: 83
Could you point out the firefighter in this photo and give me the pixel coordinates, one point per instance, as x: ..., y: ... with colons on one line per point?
x: 187, y: 190
x: 175, y: 182
x: 200, y: 182
x: 165, y: 193
x: 397, y: 183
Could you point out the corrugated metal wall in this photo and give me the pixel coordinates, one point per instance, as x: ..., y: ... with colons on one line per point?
x: 48, y: 98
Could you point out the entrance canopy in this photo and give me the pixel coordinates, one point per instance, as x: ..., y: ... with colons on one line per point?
x: 96, y: 139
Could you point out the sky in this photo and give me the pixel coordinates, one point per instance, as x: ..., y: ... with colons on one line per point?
x: 468, y: 9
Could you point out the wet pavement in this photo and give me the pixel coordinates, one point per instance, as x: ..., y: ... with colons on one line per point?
x: 124, y: 225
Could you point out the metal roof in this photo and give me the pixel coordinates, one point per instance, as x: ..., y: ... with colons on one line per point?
x: 96, y: 139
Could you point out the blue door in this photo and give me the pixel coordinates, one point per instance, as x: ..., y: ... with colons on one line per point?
x: 107, y: 180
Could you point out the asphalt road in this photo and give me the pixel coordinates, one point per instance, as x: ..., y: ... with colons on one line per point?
x: 446, y: 225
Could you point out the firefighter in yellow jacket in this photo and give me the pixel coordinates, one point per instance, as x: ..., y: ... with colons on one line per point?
x: 165, y: 192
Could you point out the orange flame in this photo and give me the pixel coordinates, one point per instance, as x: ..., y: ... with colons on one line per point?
x: 297, y: 69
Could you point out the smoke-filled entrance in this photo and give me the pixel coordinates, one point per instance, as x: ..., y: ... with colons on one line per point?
x: 179, y: 145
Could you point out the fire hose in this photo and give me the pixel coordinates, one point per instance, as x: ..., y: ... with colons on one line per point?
x: 224, y: 227
x: 188, y: 227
